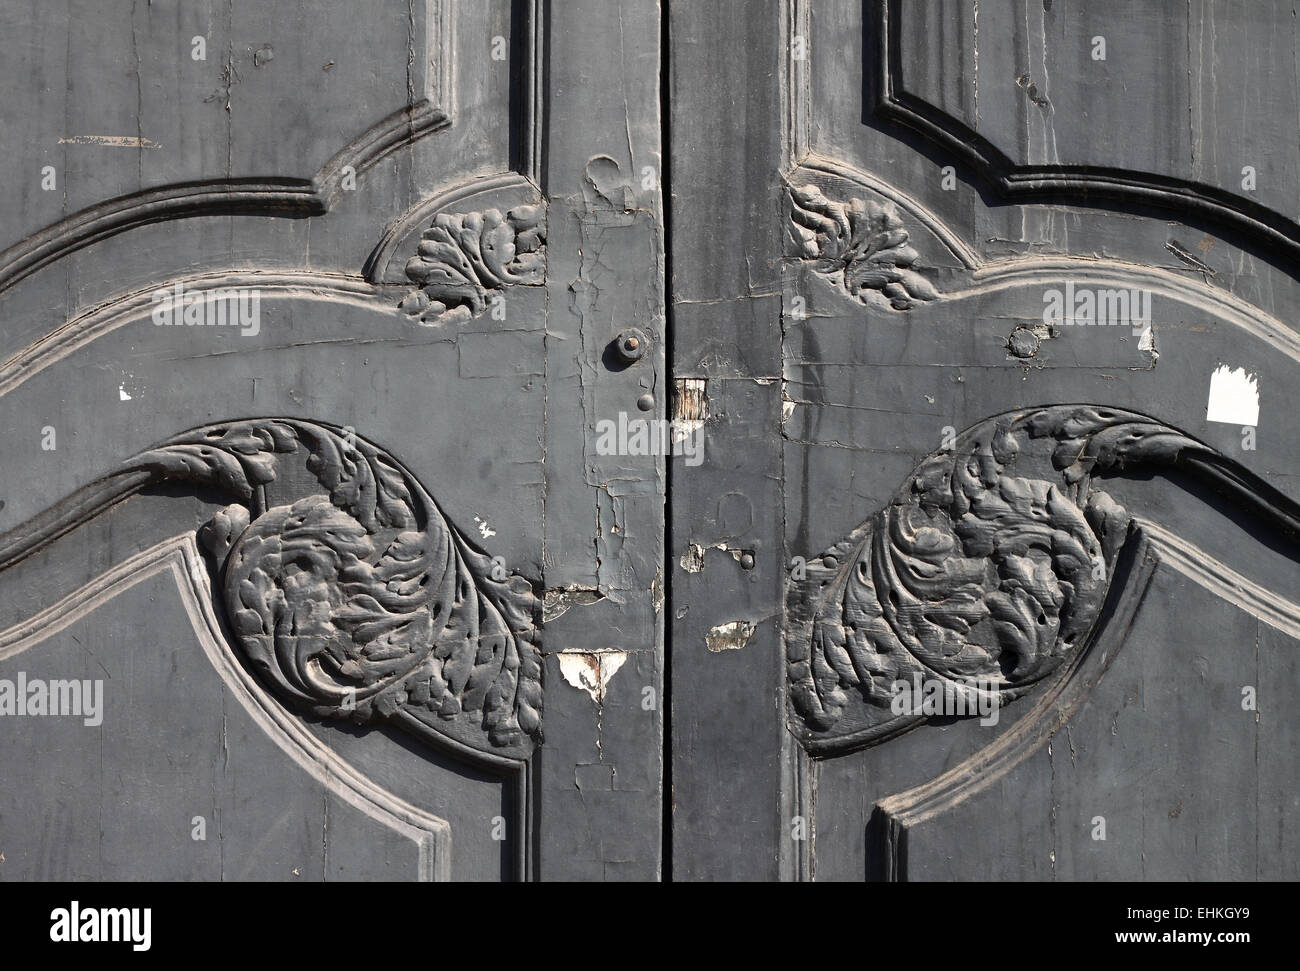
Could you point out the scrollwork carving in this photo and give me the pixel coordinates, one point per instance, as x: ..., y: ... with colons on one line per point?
x: 361, y: 600
x: 985, y: 573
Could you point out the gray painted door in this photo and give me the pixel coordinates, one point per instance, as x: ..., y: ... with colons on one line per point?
x: 310, y: 564
x: 334, y: 384
x: 989, y: 311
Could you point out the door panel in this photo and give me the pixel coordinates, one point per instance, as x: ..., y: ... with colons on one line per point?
x: 341, y: 567
x: 997, y: 365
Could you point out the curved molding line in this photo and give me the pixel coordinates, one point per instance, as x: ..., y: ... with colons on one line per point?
x: 356, y: 599
x: 94, y: 323
x: 286, y: 197
x: 269, y: 195
x: 1023, y: 183
x: 986, y: 277
x: 1147, y: 547
x: 1050, y: 270
x: 282, y: 197
x: 180, y: 557
x: 986, y: 574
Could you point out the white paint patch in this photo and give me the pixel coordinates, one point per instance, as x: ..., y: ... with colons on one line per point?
x: 590, y: 671
x: 111, y: 141
x: 484, y: 530
x: 1147, y: 342
x: 122, y: 393
x: 729, y: 637
x: 1234, y: 397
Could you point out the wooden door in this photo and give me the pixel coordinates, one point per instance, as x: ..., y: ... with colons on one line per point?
x: 310, y: 567
x: 349, y: 360
x: 990, y: 570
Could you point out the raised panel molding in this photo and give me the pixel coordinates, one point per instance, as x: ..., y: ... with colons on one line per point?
x: 282, y: 196
x: 948, y: 268
x: 1148, y: 548
x: 180, y: 558
x: 975, y: 576
x: 1020, y: 180
x: 272, y: 196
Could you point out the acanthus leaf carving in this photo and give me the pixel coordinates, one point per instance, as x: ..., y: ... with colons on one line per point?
x: 861, y: 245
x: 237, y: 457
x: 463, y: 257
x: 985, y: 573
x: 362, y: 600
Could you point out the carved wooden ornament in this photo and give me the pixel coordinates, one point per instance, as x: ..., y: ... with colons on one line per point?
x: 986, y: 572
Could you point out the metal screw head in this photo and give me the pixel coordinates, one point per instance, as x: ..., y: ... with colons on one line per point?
x: 747, y: 560
x: 646, y: 401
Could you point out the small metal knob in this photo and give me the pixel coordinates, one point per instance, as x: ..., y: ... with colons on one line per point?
x: 631, y: 345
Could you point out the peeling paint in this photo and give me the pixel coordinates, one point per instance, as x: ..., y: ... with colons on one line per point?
x: 110, y: 141
x: 693, y: 559
x: 729, y: 637
x: 604, y: 186
x: 484, y: 530
x: 591, y: 671
x: 690, y: 404
x: 558, y: 600
x: 1147, y: 342
x: 736, y: 554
